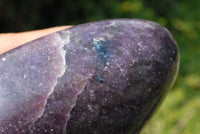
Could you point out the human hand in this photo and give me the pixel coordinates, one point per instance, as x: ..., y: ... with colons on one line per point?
x: 10, y: 41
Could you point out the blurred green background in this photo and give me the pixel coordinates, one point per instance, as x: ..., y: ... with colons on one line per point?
x: 180, y: 112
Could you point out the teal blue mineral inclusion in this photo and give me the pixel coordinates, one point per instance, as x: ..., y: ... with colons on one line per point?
x: 100, y: 79
x: 102, y: 50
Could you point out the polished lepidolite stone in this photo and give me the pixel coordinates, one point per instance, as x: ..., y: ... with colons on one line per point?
x: 104, y: 77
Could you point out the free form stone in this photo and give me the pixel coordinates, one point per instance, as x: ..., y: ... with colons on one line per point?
x: 103, y: 77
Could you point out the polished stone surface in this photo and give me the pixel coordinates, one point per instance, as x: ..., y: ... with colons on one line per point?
x: 103, y: 77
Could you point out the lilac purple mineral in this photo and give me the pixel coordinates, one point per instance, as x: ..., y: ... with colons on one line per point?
x: 103, y: 77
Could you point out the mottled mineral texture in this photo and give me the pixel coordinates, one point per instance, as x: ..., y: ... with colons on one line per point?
x: 104, y: 77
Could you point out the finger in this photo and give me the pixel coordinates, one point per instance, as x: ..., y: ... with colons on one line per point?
x: 9, y: 41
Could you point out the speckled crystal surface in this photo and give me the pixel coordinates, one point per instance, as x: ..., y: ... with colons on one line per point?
x: 103, y: 77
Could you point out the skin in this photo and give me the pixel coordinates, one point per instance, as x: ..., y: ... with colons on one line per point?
x: 10, y: 41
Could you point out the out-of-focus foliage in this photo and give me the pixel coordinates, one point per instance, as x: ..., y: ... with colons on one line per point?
x: 180, y: 112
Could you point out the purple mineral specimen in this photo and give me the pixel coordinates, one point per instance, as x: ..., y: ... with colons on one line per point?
x: 104, y: 77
